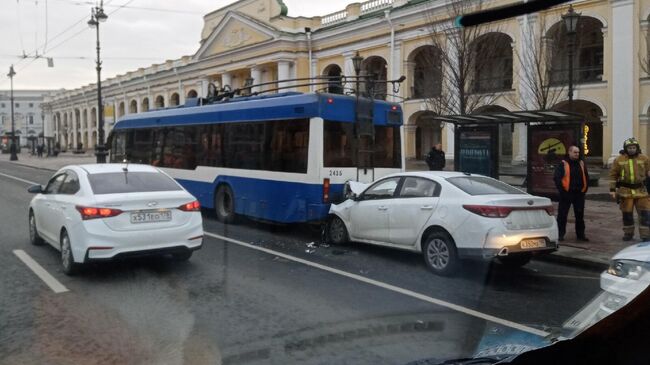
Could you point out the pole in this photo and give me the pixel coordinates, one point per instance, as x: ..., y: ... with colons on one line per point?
x: 100, y: 150
x: 12, y: 148
x: 571, y: 44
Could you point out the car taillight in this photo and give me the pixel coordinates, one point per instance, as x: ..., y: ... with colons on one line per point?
x: 489, y: 211
x: 326, y: 190
x: 194, y: 206
x: 549, y: 209
x: 93, y: 213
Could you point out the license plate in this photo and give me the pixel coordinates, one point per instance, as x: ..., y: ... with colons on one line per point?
x: 151, y: 216
x: 533, y: 243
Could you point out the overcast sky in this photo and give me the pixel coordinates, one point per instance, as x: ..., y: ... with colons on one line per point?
x: 141, y: 33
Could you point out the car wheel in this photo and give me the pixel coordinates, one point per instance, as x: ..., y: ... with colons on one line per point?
x: 225, y: 204
x: 182, y: 256
x: 337, y: 233
x: 515, y: 261
x: 67, y: 261
x: 440, y: 255
x: 34, y: 238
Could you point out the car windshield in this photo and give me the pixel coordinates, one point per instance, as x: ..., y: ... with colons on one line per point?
x: 131, y: 182
x: 320, y: 182
x: 481, y: 185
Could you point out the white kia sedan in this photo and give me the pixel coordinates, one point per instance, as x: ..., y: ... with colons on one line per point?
x: 447, y: 216
x: 108, y: 211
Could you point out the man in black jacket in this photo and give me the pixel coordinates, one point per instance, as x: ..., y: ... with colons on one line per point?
x: 436, y: 158
x: 571, y: 179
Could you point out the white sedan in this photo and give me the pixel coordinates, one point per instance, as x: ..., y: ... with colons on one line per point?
x: 628, y: 275
x: 447, y: 216
x: 107, y: 211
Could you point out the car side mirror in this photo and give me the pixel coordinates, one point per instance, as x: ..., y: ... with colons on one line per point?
x: 35, y: 189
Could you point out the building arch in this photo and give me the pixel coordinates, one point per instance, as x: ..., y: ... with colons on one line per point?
x: 428, y: 132
x: 335, y: 82
x: 133, y: 106
x: 425, y: 72
x: 192, y: 94
x: 121, y: 110
x: 588, y: 51
x: 174, y: 100
x: 377, y: 67
x: 160, y: 102
x: 593, y: 115
x: 145, y: 105
x: 492, y: 56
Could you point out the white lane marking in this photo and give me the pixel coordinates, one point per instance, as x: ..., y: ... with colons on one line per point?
x: 568, y: 276
x: 390, y: 287
x: 19, y: 179
x: 54, y: 284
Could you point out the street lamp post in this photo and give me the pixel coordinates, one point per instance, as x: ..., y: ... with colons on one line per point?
x: 97, y: 16
x: 12, y: 147
x: 571, y: 22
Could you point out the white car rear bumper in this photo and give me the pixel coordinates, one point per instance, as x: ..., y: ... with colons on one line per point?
x: 503, y: 242
x: 94, y: 241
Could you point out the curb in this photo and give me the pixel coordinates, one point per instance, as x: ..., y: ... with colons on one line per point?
x: 559, y: 258
x: 32, y: 167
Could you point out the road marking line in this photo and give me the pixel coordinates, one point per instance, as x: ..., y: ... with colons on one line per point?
x: 568, y: 276
x: 390, y: 287
x: 54, y: 284
x: 19, y: 179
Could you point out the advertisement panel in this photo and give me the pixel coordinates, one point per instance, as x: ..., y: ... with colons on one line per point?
x: 477, y: 152
x: 547, y: 145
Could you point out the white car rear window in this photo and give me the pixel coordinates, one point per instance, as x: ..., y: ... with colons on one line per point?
x: 131, y: 182
x: 481, y: 185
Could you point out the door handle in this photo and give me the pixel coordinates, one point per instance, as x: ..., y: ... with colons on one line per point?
x: 426, y: 207
x: 383, y: 208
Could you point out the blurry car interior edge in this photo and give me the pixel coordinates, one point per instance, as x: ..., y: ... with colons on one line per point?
x: 616, y: 339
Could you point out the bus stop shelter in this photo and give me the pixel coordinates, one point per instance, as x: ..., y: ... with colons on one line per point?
x: 550, y: 133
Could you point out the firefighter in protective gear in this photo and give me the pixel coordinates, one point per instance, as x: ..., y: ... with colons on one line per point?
x: 628, y: 174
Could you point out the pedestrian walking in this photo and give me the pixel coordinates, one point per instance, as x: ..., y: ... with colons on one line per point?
x: 436, y: 158
x: 571, y: 179
x: 628, y: 174
x: 39, y: 150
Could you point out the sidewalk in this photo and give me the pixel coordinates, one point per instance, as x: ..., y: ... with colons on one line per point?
x: 51, y: 163
x: 602, y: 216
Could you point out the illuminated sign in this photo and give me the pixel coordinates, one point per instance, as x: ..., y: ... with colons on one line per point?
x: 585, y: 140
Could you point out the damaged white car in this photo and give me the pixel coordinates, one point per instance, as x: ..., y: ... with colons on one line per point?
x: 446, y: 216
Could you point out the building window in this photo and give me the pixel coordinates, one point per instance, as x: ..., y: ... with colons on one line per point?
x: 3, y: 105
x: 30, y: 119
x: 17, y: 105
x: 31, y: 105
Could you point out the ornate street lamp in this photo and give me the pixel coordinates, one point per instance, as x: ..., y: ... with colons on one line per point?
x: 12, y: 147
x: 97, y: 16
x: 356, y: 63
x: 571, y: 23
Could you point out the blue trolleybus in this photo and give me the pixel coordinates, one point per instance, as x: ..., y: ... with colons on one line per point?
x: 279, y: 158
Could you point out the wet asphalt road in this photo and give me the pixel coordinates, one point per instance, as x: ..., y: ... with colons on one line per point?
x: 233, y: 304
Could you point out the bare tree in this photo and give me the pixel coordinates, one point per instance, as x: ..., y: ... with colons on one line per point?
x: 537, y: 89
x: 464, y: 54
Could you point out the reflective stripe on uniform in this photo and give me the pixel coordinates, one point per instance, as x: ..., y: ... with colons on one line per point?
x: 631, y: 164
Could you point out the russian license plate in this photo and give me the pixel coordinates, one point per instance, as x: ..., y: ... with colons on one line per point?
x: 533, y: 243
x: 151, y: 216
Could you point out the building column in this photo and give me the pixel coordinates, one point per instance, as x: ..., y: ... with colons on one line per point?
x: 395, y: 66
x: 256, y: 75
x: 226, y: 79
x: 622, y: 78
x: 528, y: 28
x: 284, y: 73
x: 410, y: 142
x: 348, y: 71
x: 455, y: 95
x: 314, y: 73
